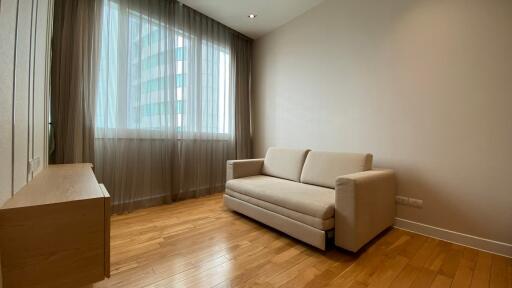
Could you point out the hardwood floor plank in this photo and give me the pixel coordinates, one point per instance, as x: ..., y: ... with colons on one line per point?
x: 420, y: 259
x: 451, y: 261
x: 358, y: 284
x: 482, y: 273
x: 416, y: 244
x: 510, y: 273
x: 365, y: 263
x: 199, y: 243
x: 406, y: 277
x: 392, y: 248
x: 499, y: 271
x: 441, y: 281
x: 327, y: 276
x: 214, y: 275
x: 258, y: 274
x: 424, y: 279
x: 289, y: 276
x: 437, y: 258
x: 388, y: 272
x: 464, y: 273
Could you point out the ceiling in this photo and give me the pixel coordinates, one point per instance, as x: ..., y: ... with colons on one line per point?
x: 234, y: 13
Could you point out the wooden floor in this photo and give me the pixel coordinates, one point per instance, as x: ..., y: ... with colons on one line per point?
x: 198, y: 243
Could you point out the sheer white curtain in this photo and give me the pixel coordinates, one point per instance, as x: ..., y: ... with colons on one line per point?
x: 165, y: 102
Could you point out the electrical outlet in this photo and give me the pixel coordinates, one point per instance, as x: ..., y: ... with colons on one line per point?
x: 401, y: 200
x: 406, y: 201
x: 418, y: 203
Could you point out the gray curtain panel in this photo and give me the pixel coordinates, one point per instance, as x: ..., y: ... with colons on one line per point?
x: 171, y: 102
x: 75, y: 45
x: 242, y: 66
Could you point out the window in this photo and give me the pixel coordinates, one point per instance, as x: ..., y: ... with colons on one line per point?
x: 156, y: 77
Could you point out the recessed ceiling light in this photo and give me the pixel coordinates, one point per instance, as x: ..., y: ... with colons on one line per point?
x: 252, y: 16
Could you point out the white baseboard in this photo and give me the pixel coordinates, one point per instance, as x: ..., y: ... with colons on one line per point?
x: 495, y: 247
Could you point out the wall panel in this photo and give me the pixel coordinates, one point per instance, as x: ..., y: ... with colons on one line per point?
x: 7, y: 44
x: 25, y: 34
x: 25, y: 29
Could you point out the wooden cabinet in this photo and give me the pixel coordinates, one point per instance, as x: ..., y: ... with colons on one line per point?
x: 55, y: 232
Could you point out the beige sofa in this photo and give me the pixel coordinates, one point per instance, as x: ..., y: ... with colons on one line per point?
x: 311, y: 195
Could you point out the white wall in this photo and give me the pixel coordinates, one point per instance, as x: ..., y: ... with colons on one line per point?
x: 7, y: 27
x: 25, y: 30
x: 25, y: 27
x: 424, y: 85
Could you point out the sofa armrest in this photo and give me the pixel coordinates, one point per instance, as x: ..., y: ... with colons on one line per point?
x: 364, y: 207
x: 243, y: 168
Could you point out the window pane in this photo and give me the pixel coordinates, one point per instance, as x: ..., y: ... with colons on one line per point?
x: 138, y: 87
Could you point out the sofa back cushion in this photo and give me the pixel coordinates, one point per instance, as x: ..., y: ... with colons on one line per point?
x: 284, y: 163
x: 322, y: 168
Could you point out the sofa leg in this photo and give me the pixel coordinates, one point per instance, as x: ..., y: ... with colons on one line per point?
x: 329, y: 239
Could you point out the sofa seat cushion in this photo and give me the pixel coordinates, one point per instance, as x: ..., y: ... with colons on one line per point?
x: 310, y: 200
x: 320, y: 224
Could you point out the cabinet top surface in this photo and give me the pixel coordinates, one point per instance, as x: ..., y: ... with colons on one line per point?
x: 56, y: 184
